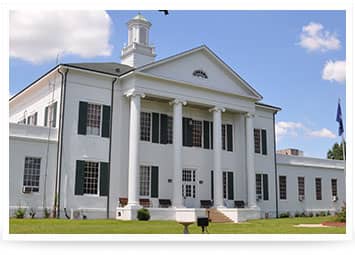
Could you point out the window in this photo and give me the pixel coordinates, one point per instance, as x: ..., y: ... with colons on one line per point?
x: 262, y: 186
x: 149, y: 181
x: 188, y: 183
x: 32, y: 119
x: 283, y: 187
x: 318, y: 188
x: 93, y: 119
x: 334, y: 188
x: 91, y: 177
x: 196, y: 133
x: 50, y: 115
x: 260, y: 141
x: 301, y: 192
x: 144, y: 183
x: 31, y: 174
x: 143, y: 35
x: 227, y: 137
x: 145, y: 126
x: 257, y: 140
x: 207, y: 134
x: 200, y: 74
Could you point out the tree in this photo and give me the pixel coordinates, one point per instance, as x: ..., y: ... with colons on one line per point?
x: 336, y: 152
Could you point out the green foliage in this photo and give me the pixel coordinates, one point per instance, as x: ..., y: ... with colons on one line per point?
x: 322, y: 213
x: 285, y: 215
x: 336, y: 152
x: 143, y: 214
x: 47, y: 213
x: 328, y: 213
x: 341, y: 216
x: 32, y: 213
x: 297, y: 214
x: 310, y: 214
x: 20, y: 213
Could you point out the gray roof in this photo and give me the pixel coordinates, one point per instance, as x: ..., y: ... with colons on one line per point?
x: 110, y: 68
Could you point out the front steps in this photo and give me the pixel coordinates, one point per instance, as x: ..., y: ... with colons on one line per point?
x: 216, y: 216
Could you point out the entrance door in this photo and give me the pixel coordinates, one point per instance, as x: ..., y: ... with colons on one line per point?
x: 189, y: 187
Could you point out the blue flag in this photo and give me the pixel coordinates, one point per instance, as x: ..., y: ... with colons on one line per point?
x: 340, y: 120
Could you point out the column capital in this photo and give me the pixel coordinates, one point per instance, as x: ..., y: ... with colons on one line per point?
x: 177, y: 101
x: 249, y: 115
x: 133, y: 93
x: 217, y: 109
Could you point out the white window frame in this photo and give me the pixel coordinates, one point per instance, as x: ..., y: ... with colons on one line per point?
x: 98, y: 179
x: 145, y: 194
x: 150, y: 126
x: 50, y: 115
x: 283, y: 199
x: 304, y: 187
x: 100, y: 122
x: 27, y: 172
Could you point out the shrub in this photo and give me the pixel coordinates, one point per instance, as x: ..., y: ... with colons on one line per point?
x: 317, y: 214
x: 328, y: 213
x: 322, y: 213
x: 310, y: 214
x: 297, y: 214
x: 143, y: 214
x: 20, y: 213
x: 47, y: 213
x: 303, y: 214
x: 341, y: 216
x: 32, y: 213
x: 285, y: 215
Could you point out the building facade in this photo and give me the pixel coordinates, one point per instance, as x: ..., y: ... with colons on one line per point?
x: 175, y: 135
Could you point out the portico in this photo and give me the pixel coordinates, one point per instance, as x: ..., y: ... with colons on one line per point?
x: 176, y: 107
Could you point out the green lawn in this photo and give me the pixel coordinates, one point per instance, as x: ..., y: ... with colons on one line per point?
x: 264, y: 226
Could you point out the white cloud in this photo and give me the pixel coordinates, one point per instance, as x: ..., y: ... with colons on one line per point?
x: 326, y: 133
x: 287, y: 128
x: 297, y: 129
x: 38, y: 36
x: 314, y: 37
x: 334, y: 71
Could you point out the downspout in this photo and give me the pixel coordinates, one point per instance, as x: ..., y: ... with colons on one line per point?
x: 109, y: 152
x: 276, y: 175
x: 60, y: 144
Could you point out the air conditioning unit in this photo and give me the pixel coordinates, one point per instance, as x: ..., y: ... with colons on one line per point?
x: 75, y: 215
x: 301, y: 197
x: 334, y: 198
x: 258, y: 197
x: 26, y: 189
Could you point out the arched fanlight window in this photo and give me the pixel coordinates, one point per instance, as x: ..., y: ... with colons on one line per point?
x: 200, y: 73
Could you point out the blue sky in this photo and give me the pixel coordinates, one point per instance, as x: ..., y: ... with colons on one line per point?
x: 264, y: 47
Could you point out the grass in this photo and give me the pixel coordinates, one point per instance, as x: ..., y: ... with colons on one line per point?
x: 263, y: 226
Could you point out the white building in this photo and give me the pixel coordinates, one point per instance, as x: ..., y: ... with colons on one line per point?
x: 175, y: 135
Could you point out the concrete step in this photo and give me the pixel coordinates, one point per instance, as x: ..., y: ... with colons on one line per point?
x: 216, y: 216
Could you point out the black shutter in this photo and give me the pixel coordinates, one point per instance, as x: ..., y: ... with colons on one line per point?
x: 45, y: 116
x: 187, y: 132
x: 211, y: 135
x: 83, y: 116
x: 154, y: 187
x: 264, y: 142
x: 155, y: 132
x: 106, y: 115
x: 54, y: 114
x: 265, y: 187
x: 35, y: 119
x: 230, y: 186
x: 229, y: 137
x: 206, y: 134
x: 28, y: 120
x: 79, y: 177
x: 212, y: 188
x: 163, y: 128
x: 104, y: 179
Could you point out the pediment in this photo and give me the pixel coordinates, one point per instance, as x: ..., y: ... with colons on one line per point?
x: 202, y: 68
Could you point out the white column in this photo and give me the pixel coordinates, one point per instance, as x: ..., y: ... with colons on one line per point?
x: 177, y: 144
x: 217, y: 150
x: 249, y: 130
x: 133, y: 157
